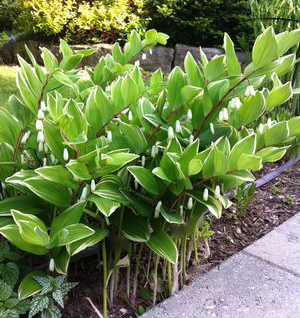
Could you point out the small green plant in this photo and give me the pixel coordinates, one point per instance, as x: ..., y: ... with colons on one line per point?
x: 48, y: 301
x: 243, y: 196
x: 10, y: 305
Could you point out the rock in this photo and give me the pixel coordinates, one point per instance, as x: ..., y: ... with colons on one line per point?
x: 181, y: 51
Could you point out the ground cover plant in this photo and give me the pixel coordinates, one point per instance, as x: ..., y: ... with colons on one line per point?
x: 134, y: 163
x: 7, y: 84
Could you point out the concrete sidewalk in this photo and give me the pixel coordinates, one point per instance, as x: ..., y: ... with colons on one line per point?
x: 262, y: 281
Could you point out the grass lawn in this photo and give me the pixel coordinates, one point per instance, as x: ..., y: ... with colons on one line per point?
x: 7, y: 83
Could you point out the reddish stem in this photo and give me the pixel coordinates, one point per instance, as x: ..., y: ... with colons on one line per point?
x: 43, y: 92
x: 17, y: 146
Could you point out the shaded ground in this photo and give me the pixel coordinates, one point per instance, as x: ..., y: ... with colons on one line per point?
x: 272, y: 204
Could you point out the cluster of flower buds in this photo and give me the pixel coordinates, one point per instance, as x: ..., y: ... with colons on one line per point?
x: 250, y: 91
x: 235, y: 103
x: 40, y: 128
x: 154, y: 150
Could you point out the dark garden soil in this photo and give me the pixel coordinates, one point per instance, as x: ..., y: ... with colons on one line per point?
x: 272, y: 204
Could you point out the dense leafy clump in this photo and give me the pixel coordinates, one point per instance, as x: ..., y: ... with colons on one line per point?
x: 109, y: 156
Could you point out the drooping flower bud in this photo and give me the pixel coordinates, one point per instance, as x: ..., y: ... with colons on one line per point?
x: 260, y: 129
x: 137, y: 63
x: 269, y: 122
x: 150, y: 51
x: 191, y: 139
x: 157, y: 209
x: 51, y: 265
x: 153, y: 151
x: 144, y: 56
x: 235, y: 103
x: 53, y: 159
x: 25, y: 137
x: 143, y: 161
x: 225, y: 114
x: 109, y: 136
x: 41, y: 146
x: 221, y: 116
x: 40, y: 137
x: 130, y: 116
x: 190, y: 203
x: 84, y: 193
x: 45, y: 148
x: 181, y: 210
x: 205, y: 194
x: 22, y: 160
x: 170, y: 133
x: 39, y: 125
x: 178, y: 126
x: 41, y: 114
x: 212, y: 128
x: 93, y: 185
x: 66, y: 154
x: 250, y: 91
x: 44, y: 162
x: 189, y: 114
x: 43, y: 106
x: 217, y: 191
x: 136, y: 184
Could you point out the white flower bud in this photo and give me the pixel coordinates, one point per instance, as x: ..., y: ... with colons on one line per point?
x: 109, y: 136
x: 43, y: 106
x: 143, y: 161
x: 41, y: 146
x: 269, y: 122
x: 225, y: 114
x: 178, y: 126
x: 130, y: 116
x: 212, y: 128
x: 221, y: 117
x: 66, y: 154
x: 39, y: 125
x: 3, y: 185
x: 191, y: 138
x: 157, y: 209
x: 235, y: 103
x: 144, y: 56
x: 44, y: 162
x: 250, y: 91
x: 190, y: 203
x: 205, y: 194
x: 40, y: 137
x: 153, y: 151
x: 137, y: 63
x: 45, y: 148
x: 189, y: 114
x: 22, y: 160
x: 51, y: 265
x: 93, y: 185
x: 156, y: 147
x: 217, y: 191
x: 25, y: 137
x: 260, y: 129
x: 150, y: 51
x: 181, y: 210
x: 170, y: 133
x: 41, y: 114
x: 83, y: 193
x: 53, y: 159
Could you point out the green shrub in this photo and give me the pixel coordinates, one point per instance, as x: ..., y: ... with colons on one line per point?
x: 200, y: 22
x: 9, y: 12
x: 134, y: 163
x: 80, y: 20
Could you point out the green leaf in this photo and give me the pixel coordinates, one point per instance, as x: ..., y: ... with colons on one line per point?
x: 193, y: 71
x: 251, y: 162
x: 233, y: 65
x: 189, y: 153
x: 271, y: 154
x: 175, y: 83
x: 29, y: 286
x: 62, y: 261
x: 286, y: 40
x: 10, y: 128
x: 106, y: 206
x: 265, y: 48
x: 294, y: 128
x: 49, y: 59
x: 215, y: 164
x: 251, y: 109
x: 171, y: 217
x: 135, y: 138
x: 70, y: 62
x: 38, y: 304
x: 86, y: 242
x: 64, y: 48
x: 49, y: 191
x: 215, y: 68
x: 244, y: 146
x: 235, y: 179
x: 279, y: 95
x: 10, y: 273
x: 78, y: 169
x: 69, y: 234
x: 5, y: 290
x: 129, y: 90
x: 277, y: 134
x: 58, y: 174
x: 70, y: 216
x: 11, y: 233
x: 146, y: 179
x: 162, y: 244
x: 27, y: 203
x: 135, y: 228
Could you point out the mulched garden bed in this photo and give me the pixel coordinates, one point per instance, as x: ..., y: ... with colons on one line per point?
x: 272, y: 204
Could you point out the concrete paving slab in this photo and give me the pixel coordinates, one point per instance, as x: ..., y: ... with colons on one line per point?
x: 281, y: 246
x: 241, y: 287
